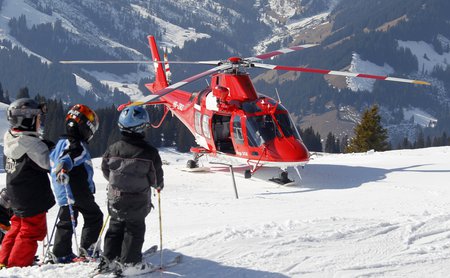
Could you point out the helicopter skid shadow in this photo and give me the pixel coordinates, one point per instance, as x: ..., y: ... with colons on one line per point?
x: 200, y: 267
x: 333, y: 177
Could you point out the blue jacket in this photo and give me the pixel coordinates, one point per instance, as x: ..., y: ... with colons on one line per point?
x: 73, y: 156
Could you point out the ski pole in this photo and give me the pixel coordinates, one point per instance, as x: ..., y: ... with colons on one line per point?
x: 72, y: 218
x: 100, y: 235
x: 160, y: 228
x: 51, y: 235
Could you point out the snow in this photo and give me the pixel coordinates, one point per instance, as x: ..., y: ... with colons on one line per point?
x: 377, y: 214
x: 358, y: 65
x: 174, y: 36
x: 279, y: 11
x: 291, y: 29
x: 445, y: 42
x: 285, y: 8
x: 15, y: 8
x: 427, y: 57
x: 82, y: 84
x: 420, y: 117
x: 126, y: 83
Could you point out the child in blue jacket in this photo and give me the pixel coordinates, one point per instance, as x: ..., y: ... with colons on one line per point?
x: 72, y: 173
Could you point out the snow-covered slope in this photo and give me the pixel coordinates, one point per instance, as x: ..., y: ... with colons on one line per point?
x: 290, y: 19
x: 358, y: 65
x: 353, y: 215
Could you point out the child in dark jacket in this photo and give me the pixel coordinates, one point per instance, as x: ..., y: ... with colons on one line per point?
x: 27, y: 184
x: 72, y: 173
x: 132, y: 167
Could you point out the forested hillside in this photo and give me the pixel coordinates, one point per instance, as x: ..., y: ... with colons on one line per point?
x: 403, y: 39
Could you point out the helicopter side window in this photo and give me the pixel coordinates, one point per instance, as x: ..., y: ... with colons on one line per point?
x: 205, y: 126
x: 287, y: 126
x: 237, y: 130
x: 198, y: 122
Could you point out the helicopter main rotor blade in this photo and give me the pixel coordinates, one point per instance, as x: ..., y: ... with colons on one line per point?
x: 279, y: 52
x: 87, y: 62
x: 104, y: 62
x: 158, y: 94
x: 339, y: 73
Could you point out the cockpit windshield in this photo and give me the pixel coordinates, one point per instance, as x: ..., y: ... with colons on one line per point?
x: 264, y: 128
x: 286, y: 125
x: 261, y: 129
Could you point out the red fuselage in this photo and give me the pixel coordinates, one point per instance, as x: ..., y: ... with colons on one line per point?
x: 230, y: 119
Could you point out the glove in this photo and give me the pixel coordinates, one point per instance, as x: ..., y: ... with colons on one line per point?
x: 50, y: 144
x: 62, y: 177
x: 4, y: 199
x: 159, y: 187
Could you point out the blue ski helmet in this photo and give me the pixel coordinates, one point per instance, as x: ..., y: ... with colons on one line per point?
x: 134, y: 119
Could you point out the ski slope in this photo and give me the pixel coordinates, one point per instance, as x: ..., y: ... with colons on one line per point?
x: 375, y: 214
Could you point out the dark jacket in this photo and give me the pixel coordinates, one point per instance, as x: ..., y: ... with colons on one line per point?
x: 27, y: 165
x: 131, y: 167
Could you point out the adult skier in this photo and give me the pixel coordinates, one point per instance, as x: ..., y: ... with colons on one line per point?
x: 132, y: 167
x: 72, y: 173
x: 27, y: 184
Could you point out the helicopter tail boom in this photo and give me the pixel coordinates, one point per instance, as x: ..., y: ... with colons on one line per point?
x: 160, y: 76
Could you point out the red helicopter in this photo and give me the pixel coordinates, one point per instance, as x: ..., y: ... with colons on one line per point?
x: 229, y: 119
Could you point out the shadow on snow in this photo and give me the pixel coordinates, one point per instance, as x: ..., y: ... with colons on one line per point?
x: 200, y: 267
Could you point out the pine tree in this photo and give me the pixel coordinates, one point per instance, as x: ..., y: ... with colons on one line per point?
x: 6, y: 97
x: 428, y: 143
x: 2, y: 98
x: 331, y: 144
x: 344, y: 143
x: 311, y: 140
x: 369, y: 133
x: 420, y: 140
x: 23, y: 93
x: 444, y: 139
x: 406, y: 144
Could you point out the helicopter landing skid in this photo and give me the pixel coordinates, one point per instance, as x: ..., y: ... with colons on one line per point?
x: 283, y: 179
x: 192, y: 165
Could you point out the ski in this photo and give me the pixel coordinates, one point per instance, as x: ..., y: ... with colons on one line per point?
x: 175, y: 261
x: 146, y: 254
x: 150, y: 251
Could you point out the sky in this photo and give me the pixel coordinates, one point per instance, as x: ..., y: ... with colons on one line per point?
x: 374, y: 214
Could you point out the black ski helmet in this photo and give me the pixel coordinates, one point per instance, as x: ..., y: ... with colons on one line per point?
x: 22, y: 114
x: 81, y: 122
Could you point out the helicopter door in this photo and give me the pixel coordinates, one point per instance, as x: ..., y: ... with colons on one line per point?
x: 222, y: 135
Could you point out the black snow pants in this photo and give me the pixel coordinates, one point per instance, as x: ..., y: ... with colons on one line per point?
x: 124, y: 240
x: 125, y: 236
x: 93, y: 221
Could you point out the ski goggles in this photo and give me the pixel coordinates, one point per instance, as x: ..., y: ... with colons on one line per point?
x: 29, y: 112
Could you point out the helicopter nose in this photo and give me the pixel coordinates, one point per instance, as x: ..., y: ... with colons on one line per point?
x: 288, y: 149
